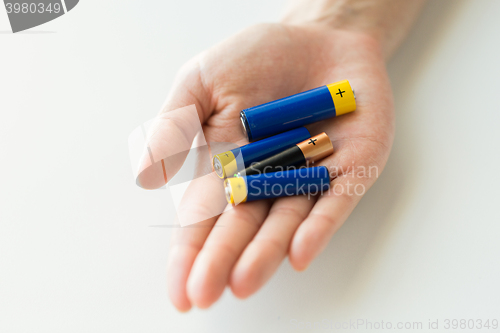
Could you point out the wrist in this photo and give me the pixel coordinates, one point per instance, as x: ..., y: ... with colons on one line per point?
x: 386, y: 21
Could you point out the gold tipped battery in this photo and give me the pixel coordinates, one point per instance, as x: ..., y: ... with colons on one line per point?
x: 236, y: 190
x: 225, y: 165
x: 316, y: 148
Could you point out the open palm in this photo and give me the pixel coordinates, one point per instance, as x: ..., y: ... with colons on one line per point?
x: 258, y: 65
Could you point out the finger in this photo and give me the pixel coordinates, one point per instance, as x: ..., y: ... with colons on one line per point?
x: 185, y: 245
x: 197, y: 217
x: 269, y: 247
x: 197, y: 212
x: 327, y: 216
x: 172, y: 132
x: 234, y: 230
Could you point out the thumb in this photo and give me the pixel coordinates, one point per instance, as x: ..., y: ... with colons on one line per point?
x: 170, y: 135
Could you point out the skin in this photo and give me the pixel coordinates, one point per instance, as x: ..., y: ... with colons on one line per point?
x: 261, y: 64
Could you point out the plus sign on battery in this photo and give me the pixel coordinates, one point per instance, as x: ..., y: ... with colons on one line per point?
x: 312, y: 141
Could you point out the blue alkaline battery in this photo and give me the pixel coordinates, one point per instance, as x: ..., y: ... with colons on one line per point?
x: 298, y: 110
x: 300, y: 181
x: 227, y: 164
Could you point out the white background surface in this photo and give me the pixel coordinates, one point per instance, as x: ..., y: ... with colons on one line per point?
x: 77, y: 253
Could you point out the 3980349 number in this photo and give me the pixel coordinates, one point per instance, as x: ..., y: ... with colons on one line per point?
x: 470, y: 324
x: 33, y: 8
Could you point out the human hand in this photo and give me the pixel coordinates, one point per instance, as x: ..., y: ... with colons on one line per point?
x: 258, y: 65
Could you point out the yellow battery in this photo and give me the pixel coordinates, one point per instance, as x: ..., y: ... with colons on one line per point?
x: 343, y: 97
x: 236, y: 190
x: 225, y: 164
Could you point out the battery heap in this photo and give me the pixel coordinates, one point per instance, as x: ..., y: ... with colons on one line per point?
x: 273, y: 165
